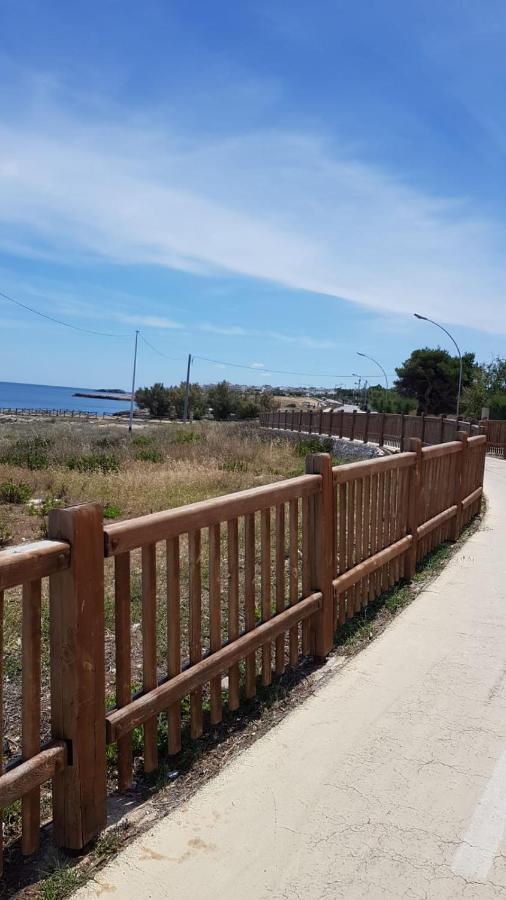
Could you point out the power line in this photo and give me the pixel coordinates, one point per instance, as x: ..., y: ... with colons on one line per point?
x: 267, y: 370
x: 59, y: 321
x: 155, y: 349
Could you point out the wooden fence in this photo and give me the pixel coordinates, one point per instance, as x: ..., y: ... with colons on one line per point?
x: 389, y: 429
x: 230, y: 591
x: 495, y: 429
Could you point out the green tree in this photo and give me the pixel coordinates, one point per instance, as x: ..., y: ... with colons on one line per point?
x: 487, y: 389
x: 222, y: 400
x: 431, y: 378
x: 197, y: 400
x: 156, y: 399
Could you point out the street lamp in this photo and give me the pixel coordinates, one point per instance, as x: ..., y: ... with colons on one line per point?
x: 425, y: 319
x: 375, y: 361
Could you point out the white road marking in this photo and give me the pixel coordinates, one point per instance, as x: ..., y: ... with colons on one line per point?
x: 475, y: 854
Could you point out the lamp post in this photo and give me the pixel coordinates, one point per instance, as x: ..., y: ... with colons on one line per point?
x: 375, y: 361
x: 426, y: 319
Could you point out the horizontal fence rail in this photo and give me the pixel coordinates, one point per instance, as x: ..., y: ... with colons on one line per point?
x: 203, y: 605
x: 385, y: 429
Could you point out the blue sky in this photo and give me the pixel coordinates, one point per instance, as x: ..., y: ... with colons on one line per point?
x: 267, y: 183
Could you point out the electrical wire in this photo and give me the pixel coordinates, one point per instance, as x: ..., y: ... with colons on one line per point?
x: 268, y: 370
x: 59, y: 321
x: 155, y: 350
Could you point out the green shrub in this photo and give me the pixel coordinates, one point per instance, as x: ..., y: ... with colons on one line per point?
x: 149, y: 454
x: 28, y: 453
x: 315, y: 445
x: 188, y: 437
x: 111, y: 511
x: 93, y: 462
x: 142, y: 440
x: 14, y: 493
x: 5, y: 531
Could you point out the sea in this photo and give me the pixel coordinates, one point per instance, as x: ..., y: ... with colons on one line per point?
x: 14, y: 395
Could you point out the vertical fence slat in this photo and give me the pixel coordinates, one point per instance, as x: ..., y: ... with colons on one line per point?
x: 294, y: 579
x: 249, y: 598
x: 265, y: 567
x: 173, y: 639
x: 30, y: 737
x: 350, y: 531
x: 342, y: 551
x: 149, y: 650
x: 215, y: 616
x: 195, y: 615
x: 306, y: 570
x: 123, y: 661
x: 280, y: 584
x: 233, y: 608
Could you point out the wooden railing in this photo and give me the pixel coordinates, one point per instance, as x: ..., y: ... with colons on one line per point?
x: 230, y: 592
x: 390, y: 429
x: 495, y: 429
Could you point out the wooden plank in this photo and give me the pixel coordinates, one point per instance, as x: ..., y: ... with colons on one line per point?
x: 215, y: 616
x: 123, y: 649
x: 306, y: 570
x: 195, y: 615
x: 249, y: 599
x: 121, y: 721
x: 351, y: 471
x: 341, y: 598
x: 294, y: 578
x: 22, y: 779
x: 428, y: 527
x: 265, y: 569
x: 438, y: 450
x: 78, y: 676
x: 30, y: 740
x: 173, y: 639
x: 233, y: 609
x: 366, y: 535
x: 359, y: 490
x: 280, y: 585
x: 372, y: 564
x: 350, y: 532
x: 149, y: 674
x: 31, y: 561
x: 472, y: 498
x: 132, y: 533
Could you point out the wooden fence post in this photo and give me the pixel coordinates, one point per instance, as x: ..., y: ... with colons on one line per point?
x: 415, y: 490
x: 341, y: 423
x: 352, y: 429
x: 381, y: 436
x: 422, y: 435
x: 403, y: 426
x: 366, y: 427
x: 460, y: 466
x: 442, y: 429
x: 77, y: 676
x: 300, y: 420
x: 322, y: 541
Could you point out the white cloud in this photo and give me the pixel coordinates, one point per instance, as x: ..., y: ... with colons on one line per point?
x: 257, y: 365
x: 278, y: 207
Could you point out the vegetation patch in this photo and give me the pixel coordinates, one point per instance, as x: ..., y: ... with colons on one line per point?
x: 12, y: 492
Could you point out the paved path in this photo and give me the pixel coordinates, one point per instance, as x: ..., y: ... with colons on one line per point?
x: 389, y: 782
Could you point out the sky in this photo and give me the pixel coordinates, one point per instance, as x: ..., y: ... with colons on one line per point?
x: 276, y: 185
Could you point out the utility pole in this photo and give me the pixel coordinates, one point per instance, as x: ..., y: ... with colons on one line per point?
x: 187, y: 389
x: 133, y: 384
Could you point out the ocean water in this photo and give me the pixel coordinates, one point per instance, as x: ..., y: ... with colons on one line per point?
x: 48, y: 396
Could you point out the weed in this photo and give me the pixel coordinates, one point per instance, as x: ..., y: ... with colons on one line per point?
x: 188, y: 437
x: 5, y: 531
x: 142, y: 440
x: 60, y: 883
x: 315, y: 445
x: 29, y: 453
x: 10, y: 492
x: 93, y: 462
x: 149, y: 454
x: 111, y: 511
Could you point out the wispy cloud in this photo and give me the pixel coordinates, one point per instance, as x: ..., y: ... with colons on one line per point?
x: 306, y: 216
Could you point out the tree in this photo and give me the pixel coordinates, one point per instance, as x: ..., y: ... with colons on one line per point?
x: 221, y: 400
x: 156, y: 399
x: 197, y: 400
x: 431, y: 378
x: 487, y: 389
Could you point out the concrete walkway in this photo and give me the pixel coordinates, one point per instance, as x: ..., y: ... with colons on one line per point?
x: 389, y: 782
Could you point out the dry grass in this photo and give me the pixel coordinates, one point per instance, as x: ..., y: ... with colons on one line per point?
x: 159, y: 468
